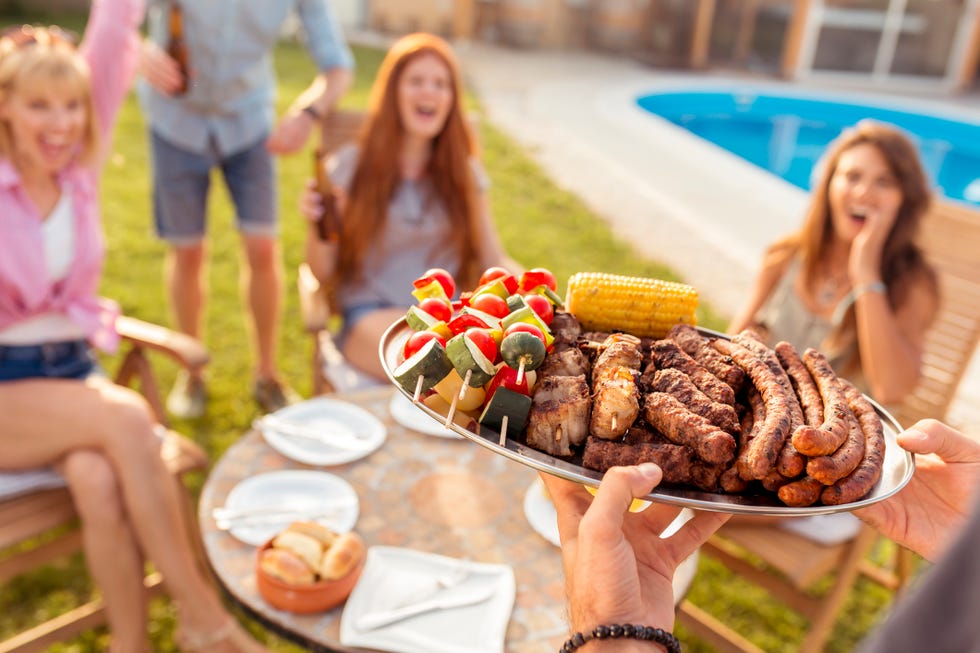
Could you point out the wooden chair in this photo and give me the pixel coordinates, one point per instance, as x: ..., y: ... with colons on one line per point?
x: 786, y: 564
x: 49, y: 511
x: 331, y: 373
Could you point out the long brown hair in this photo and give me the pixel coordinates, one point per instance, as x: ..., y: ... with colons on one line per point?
x: 377, y: 174
x: 902, y: 262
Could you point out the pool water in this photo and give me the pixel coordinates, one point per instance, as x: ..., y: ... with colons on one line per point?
x: 786, y: 134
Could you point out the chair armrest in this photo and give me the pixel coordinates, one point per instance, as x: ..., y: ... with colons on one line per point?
x: 187, y: 351
x: 313, y: 305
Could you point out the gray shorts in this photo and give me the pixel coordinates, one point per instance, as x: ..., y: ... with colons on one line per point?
x: 182, y: 179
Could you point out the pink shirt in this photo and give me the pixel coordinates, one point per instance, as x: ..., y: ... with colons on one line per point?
x: 111, y: 48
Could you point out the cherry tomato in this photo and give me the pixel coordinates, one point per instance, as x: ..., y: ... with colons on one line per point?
x: 483, y: 339
x: 507, y: 377
x: 444, y: 278
x: 540, y: 305
x: 524, y: 326
x: 437, y: 308
x: 535, y: 277
x: 418, y: 339
x: 497, y: 272
x: 490, y: 303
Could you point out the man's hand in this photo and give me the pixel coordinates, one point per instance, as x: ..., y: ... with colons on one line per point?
x: 928, y: 513
x: 291, y: 133
x: 160, y: 69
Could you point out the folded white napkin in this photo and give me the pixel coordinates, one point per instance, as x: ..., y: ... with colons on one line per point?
x: 394, y: 577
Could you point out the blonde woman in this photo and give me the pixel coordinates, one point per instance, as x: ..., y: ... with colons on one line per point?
x: 57, y: 104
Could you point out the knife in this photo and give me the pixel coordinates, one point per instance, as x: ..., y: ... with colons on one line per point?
x: 446, y: 601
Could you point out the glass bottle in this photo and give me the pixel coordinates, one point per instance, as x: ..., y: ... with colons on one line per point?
x: 328, y: 226
x: 177, y: 46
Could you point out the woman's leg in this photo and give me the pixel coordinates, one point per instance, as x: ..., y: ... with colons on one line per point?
x: 51, y: 418
x: 361, y: 344
x: 111, y: 551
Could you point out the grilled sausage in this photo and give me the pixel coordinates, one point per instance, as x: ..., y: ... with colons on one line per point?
x: 863, y: 479
x: 803, y: 384
x: 672, y: 418
x: 763, y: 449
x: 750, y: 340
x: 675, y: 460
x: 699, y: 348
x: 676, y: 383
x: 666, y: 353
x: 804, y: 492
x: 829, y: 469
x: 824, y: 440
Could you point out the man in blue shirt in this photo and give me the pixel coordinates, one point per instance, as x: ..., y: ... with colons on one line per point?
x: 226, y: 119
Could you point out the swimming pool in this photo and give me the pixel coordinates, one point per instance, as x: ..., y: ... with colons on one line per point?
x: 786, y: 134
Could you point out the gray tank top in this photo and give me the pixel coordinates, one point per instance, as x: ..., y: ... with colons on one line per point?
x: 414, y: 239
x: 787, y: 318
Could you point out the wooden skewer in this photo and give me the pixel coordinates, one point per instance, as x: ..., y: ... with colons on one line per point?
x: 612, y: 424
x: 452, y: 411
x: 418, y: 388
x: 520, y: 372
x: 503, y: 431
x: 466, y: 382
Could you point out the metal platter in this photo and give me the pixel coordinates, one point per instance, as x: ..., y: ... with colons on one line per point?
x: 899, y: 465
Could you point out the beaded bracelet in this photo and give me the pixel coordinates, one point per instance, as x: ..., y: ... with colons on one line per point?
x: 628, y: 631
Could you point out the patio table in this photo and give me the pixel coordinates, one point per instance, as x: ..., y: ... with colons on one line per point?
x: 422, y: 492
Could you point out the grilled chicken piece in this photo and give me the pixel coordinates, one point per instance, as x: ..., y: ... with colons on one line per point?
x: 566, y: 329
x: 615, y: 398
x: 566, y: 362
x: 559, y: 417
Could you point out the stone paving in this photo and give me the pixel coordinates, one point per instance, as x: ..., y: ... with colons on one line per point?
x: 681, y: 200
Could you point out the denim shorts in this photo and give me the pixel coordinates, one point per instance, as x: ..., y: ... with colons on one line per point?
x: 71, y: 359
x: 182, y: 179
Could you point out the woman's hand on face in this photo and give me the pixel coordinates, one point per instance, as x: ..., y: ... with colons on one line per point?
x: 617, y: 568
x: 927, y: 514
x: 310, y: 202
x: 864, y: 263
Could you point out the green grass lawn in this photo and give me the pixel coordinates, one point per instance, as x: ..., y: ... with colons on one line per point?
x: 540, y: 224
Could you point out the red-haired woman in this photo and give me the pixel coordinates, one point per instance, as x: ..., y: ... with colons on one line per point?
x: 411, y: 196
x: 852, y: 282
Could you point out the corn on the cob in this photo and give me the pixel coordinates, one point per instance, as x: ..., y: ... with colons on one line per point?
x: 643, y: 307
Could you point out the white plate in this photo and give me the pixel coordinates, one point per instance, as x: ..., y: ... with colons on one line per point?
x: 305, y: 493
x: 392, y: 576
x: 329, y: 417
x: 541, y: 514
x: 404, y: 411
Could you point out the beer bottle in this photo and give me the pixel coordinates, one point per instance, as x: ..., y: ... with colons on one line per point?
x: 328, y: 227
x: 177, y: 46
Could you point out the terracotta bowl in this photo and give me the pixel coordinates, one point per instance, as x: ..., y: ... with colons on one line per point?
x: 304, y: 599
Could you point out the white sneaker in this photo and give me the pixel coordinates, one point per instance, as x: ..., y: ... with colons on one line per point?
x: 188, y: 399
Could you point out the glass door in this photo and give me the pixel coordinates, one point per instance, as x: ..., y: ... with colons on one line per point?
x: 905, y: 40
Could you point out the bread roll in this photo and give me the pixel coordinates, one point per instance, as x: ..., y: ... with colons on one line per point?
x: 281, y: 564
x: 308, y: 549
x: 342, y: 557
x: 316, y: 530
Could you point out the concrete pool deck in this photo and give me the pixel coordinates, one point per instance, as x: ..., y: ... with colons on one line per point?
x: 678, y: 199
